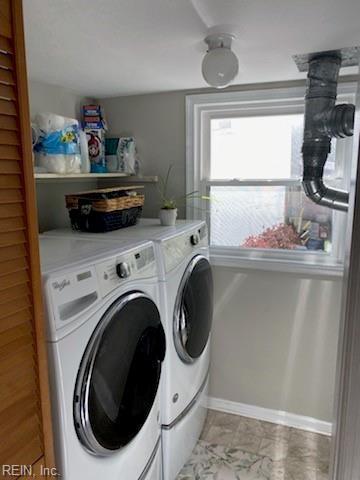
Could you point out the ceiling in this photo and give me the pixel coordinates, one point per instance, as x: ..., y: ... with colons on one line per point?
x: 107, y: 48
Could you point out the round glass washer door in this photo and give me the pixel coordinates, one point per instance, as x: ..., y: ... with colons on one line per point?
x: 194, y: 310
x: 119, y: 374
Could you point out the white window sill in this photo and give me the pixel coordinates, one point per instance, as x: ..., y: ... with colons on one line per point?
x: 307, y: 269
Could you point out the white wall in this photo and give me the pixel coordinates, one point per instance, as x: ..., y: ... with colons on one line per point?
x: 50, y: 196
x: 275, y: 334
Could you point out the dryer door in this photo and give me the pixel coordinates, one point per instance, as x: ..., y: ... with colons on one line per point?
x: 119, y: 374
x: 193, y: 310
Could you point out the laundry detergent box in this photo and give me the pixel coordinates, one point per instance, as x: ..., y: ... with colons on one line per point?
x: 93, y: 121
x: 93, y: 117
x: 96, y: 147
x: 92, y: 110
x: 93, y: 125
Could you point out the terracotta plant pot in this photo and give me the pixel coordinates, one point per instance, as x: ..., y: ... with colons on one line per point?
x: 168, y: 216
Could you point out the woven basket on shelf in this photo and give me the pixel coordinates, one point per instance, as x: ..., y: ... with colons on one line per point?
x: 105, y: 209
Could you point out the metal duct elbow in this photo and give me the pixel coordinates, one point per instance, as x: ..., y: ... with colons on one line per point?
x: 323, y: 120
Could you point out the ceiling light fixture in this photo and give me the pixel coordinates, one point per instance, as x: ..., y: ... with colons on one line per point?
x: 220, y: 64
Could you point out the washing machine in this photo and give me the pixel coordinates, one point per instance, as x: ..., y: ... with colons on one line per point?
x: 186, y: 290
x: 187, y: 299
x: 106, y: 345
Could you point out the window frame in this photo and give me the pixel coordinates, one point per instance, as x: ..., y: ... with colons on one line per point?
x: 200, y: 109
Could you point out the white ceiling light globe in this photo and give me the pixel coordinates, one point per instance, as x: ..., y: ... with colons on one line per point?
x: 220, y: 64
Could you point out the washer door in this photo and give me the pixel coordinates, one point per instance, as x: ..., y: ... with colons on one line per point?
x: 194, y: 310
x: 119, y: 374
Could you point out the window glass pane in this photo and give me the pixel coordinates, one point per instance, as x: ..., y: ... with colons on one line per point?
x: 270, y: 218
x: 255, y: 147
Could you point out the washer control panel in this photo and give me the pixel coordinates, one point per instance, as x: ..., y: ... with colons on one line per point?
x: 127, y: 267
x: 72, y: 293
x: 195, y: 239
x: 123, y: 270
x: 176, y: 249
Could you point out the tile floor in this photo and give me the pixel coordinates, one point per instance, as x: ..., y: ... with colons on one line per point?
x: 238, y: 448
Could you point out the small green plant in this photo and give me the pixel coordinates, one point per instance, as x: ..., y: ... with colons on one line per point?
x: 169, y: 202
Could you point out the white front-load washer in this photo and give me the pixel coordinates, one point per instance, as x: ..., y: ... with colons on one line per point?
x: 106, y: 344
x: 186, y: 291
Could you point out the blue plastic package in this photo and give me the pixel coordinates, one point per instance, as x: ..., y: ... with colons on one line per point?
x: 59, y: 142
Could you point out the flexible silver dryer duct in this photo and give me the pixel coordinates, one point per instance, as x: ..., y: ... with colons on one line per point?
x: 323, y: 120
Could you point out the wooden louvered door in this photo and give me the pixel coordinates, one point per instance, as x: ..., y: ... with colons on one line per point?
x: 25, y: 427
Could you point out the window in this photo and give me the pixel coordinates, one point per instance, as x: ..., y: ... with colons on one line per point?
x: 267, y: 214
x: 244, y: 151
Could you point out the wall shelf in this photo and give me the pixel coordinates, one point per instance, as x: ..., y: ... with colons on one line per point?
x: 76, y: 177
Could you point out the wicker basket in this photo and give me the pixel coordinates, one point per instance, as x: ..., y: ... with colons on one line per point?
x: 105, y: 209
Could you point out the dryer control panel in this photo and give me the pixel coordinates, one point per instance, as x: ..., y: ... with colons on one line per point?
x: 128, y: 267
x: 176, y: 249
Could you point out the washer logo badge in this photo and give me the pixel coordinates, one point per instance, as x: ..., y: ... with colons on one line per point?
x: 61, y: 285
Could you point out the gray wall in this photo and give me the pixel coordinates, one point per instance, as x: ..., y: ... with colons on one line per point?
x: 275, y: 334
x: 50, y: 98
x: 158, y: 122
x: 50, y: 195
x: 275, y: 341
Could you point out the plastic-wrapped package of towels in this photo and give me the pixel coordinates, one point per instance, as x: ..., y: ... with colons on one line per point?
x: 57, y: 149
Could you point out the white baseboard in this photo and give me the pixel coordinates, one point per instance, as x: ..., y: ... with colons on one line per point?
x: 275, y: 416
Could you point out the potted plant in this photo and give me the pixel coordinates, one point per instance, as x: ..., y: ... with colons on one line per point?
x: 169, y: 204
x: 168, y: 213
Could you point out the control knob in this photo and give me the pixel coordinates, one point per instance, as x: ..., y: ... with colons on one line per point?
x: 123, y: 270
x: 194, y: 239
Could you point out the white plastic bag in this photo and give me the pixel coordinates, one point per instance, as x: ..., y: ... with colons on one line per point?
x: 129, y: 157
x: 57, y: 149
x: 61, y: 164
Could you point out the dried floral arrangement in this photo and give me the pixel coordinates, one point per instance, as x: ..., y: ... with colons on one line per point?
x: 279, y: 236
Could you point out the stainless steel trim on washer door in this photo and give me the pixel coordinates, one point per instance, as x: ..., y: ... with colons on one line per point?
x: 119, y: 374
x: 193, y: 310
